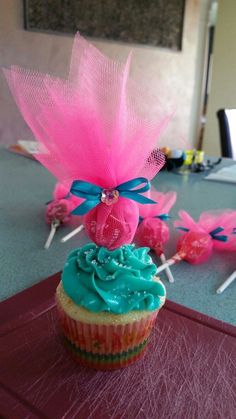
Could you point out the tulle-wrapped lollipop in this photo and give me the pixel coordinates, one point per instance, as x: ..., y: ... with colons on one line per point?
x: 97, y: 130
x: 58, y: 211
x: 213, y: 230
x: 215, y: 223
x: 153, y: 230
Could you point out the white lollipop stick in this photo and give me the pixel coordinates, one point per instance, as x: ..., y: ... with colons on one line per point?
x: 54, y: 225
x: 168, y: 263
x: 168, y: 271
x: 72, y: 234
x: 175, y: 259
x: 226, y: 283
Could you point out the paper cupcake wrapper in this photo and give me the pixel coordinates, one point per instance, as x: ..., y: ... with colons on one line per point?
x: 108, y: 346
x: 105, y: 362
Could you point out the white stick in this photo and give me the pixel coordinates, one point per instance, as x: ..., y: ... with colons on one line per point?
x: 53, y: 230
x: 72, y: 233
x: 168, y: 271
x: 175, y: 259
x: 168, y: 263
x: 226, y: 283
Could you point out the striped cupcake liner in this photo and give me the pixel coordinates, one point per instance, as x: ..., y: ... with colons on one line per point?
x: 106, y: 346
x: 105, y: 362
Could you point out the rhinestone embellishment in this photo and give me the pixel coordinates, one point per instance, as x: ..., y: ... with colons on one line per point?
x: 109, y: 196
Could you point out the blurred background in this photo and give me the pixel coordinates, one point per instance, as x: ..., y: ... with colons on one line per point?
x: 197, y: 79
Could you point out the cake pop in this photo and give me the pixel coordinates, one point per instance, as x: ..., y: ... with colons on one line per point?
x: 58, y: 211
x: 153, y: 230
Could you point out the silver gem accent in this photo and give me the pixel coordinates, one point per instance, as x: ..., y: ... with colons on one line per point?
x: 109, y: 196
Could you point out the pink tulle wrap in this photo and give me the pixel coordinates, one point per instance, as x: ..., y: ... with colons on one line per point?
x: 60, y: 191
x: 97, y: 126
x: 165, y: 201
x: 202, y: 236
x: 154, y: 232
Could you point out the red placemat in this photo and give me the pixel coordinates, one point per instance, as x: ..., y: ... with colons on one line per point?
x: 188, y: 371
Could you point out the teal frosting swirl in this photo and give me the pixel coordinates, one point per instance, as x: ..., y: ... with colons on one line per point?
x: 118, y: 281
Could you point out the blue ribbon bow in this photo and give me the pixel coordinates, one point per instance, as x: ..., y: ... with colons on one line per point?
x: 182, y: 228
x: 162, y: 217
x: 215, y: 236
x: 92, y: 193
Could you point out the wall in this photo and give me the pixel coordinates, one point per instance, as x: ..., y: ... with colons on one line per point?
x: 223, y: 85
x: 174, y: 71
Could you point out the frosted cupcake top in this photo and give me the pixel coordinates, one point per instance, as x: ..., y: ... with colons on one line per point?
x: 116, y: 281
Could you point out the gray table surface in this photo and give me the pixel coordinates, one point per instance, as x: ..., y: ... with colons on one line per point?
x: 25, y: 187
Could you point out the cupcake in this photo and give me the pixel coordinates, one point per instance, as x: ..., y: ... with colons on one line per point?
x: 108, y: 301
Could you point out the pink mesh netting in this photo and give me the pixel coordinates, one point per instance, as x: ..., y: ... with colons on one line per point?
x: 164, y: 203
x: 61, y: 191
x: 226, y: 219
x: 98, y: 125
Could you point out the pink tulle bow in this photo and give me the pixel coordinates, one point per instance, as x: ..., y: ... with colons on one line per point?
x: 97, y: 126
x: 213, y: 230
x: 164, y: 203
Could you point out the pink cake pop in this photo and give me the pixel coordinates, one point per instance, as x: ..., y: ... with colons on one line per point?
x: 154, y: 233
x: 61, y: 206
x: 152, y: 230
x: 111, y: 225
x: 195, y: 247
x: 58, y: 211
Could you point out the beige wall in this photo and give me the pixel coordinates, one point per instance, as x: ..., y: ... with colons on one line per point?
x: 179, y: 73
x: 223, y: 85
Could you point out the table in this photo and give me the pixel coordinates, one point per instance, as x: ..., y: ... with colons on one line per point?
x: 187, y: 372
x: 190, y: 366
x: 25, y: 187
